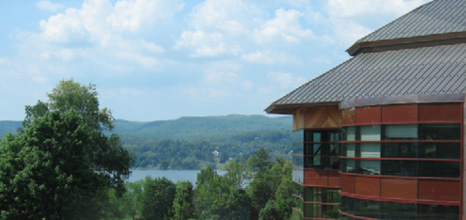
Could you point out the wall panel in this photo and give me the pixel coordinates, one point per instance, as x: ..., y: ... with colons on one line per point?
x: 315, y: 177
x: 367, y: 186
x: 400, y: 113
x: 440, y: 112
x: 399, y: 188
x: 368, y: 115
x: 439, y: 190
x: 347, y: 184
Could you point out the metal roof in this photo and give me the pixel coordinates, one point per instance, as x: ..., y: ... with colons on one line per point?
x: 436, y: 17
x: 421, y: 54
x: 429, y: 22
x: 431, y: 70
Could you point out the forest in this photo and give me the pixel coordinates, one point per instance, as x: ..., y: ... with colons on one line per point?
x: 67, y: 161
x: 258, y: 189
x: 188, y: 142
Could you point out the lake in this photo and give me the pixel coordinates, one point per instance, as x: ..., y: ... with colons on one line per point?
x: 173, y: 175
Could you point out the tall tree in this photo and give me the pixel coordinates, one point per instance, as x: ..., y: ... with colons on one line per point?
x: 183, y: 206
x: 158, y: 198
x: 61, y: 164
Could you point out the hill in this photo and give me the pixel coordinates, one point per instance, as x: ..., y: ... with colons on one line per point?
x: 202, y: 127
x: 191, y: 142
x: 8, y: 127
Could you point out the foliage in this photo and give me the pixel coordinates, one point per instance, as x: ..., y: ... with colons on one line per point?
x: 158, y: 198
x: 236, y: 195
x: 61, y: 165
x: 183, y: 206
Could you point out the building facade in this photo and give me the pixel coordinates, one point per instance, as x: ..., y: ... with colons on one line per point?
x: 381, y: 136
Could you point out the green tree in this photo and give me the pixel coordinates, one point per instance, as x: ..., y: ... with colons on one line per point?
x: 183, y: 206
x: 270, y: 212
x: 158, y: 198
x: 260, y: 161
x: 61, y: 164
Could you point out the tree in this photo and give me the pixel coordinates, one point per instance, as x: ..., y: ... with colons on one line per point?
x: 61, y: 164
x: 269, y: 212
x: 158, y: 198
x: 183, y: 206
x: 261, y: 161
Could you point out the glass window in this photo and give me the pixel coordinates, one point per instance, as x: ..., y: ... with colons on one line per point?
x: 394, y: 210
x: 439, y: 132
x: 370, y: 133
x: 401, y: 132
x: 370, y: 150
x: 371, y: 167
x: 431, y: 212
x: 334, y: 149
x: 350, y: 166
x: 349, y: 133
x: 297, y: 136
x: 350, y: 150
x: 298, y: 175
x: 321, y: 195
x: 298, y: 161
x: 399, y: 168
x: 400, y: 150
x: 439, y: 169
x: 440, y: 150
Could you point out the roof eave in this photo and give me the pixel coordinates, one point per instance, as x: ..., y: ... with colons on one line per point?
x: 289, y: 109
x: 410, y: 42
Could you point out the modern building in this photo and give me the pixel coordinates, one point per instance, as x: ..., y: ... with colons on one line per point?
x: 381, y: 136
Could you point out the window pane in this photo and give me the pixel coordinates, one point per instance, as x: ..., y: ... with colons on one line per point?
x: 370, y: 150
x: 349, y: 133
x: 399, y: 150
x: 440, y: 132
x: 317, y: 137
x: 440, y: 150
x: 431, y: 212
x: 393, y: 210
x: 298, y: 175
x: 439, y: 169
x: 297, y: 136
x: 351, y: 150
x: 371, y: 167
x: 350, y: 166
x: 370, y: 133
x: 334, y: 149
x: 399, y: 168
x: 401, y: 132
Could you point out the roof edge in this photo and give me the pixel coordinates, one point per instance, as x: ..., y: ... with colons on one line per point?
x: 407, y: 99
x: 289, y: 109
x: 410, y: 42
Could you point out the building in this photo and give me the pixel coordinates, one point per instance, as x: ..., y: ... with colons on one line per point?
x: 381, y: 136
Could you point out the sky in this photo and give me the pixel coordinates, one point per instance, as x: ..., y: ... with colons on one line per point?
x: 165, y: 59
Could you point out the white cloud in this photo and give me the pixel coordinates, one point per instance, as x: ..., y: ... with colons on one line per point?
x: 205, y: 44
x: 286, y: 26
x: 103, y: 33
x: 49, y: 6
x: 353, y: 19
x: 286, y: 80
x: 230, y: 27
x: 131, y: 15
x: 269, y: 57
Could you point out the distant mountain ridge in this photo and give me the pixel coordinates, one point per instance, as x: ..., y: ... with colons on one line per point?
x: 195, y: 127
x: 187, y: 127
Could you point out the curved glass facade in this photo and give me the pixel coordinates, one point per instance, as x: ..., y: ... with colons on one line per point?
x: 316, y: 165
x: 398, y: 164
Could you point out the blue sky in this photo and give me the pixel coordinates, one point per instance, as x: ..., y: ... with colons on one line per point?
x: 164, y: 59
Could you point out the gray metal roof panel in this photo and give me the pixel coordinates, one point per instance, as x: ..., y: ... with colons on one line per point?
x: 428, y: 70
x: 436, y: 17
